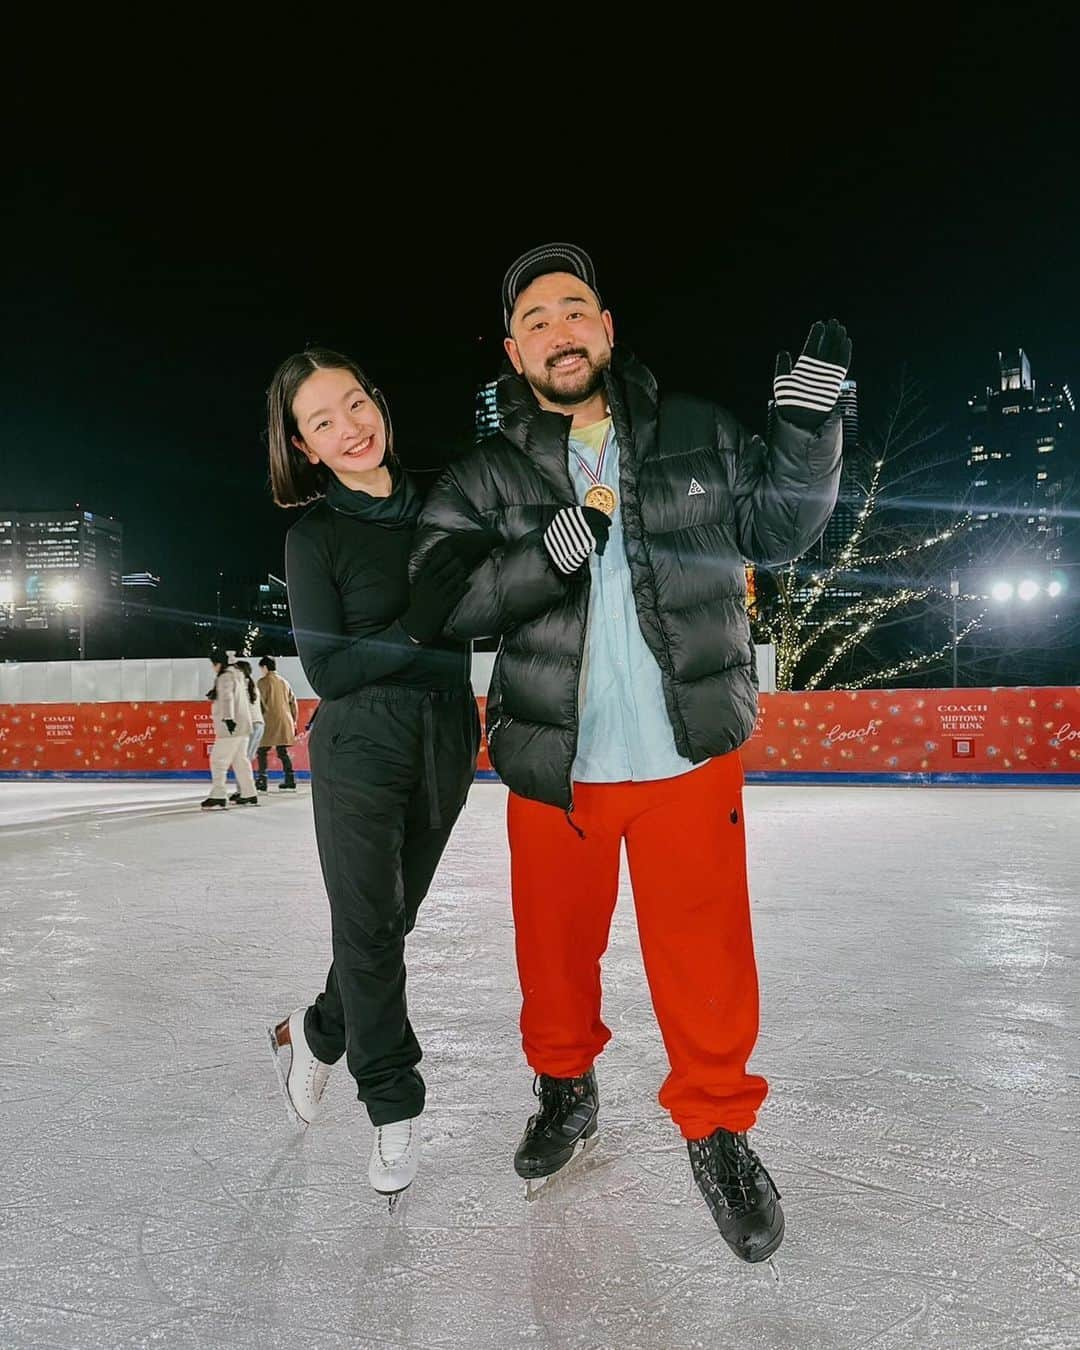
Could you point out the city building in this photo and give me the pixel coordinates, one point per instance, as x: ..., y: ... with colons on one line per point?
x: 60, y: 583
x: 487, y: 414
x: 1021, y: 444
x: 253, y: 614
x: 271, y: 604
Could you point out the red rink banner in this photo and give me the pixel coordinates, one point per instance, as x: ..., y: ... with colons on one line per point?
x: 106, y: 739
x: 945, y: 734
x: 933, y: 735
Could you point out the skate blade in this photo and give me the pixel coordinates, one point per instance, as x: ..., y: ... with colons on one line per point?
x: 770, y: 1271
x: 294, y: 1118
x: 537, y: 1186
x: 395, y: 1200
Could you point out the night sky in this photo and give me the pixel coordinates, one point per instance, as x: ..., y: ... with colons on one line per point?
x: 164, y: 251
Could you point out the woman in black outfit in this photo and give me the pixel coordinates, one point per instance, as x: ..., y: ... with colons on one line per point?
x: 393, y: 749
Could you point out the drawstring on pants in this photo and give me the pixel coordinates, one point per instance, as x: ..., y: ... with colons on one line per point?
x: 570, y: 821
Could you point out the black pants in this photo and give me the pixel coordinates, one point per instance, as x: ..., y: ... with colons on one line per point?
x: 390, y: 771
x: 263, y: 754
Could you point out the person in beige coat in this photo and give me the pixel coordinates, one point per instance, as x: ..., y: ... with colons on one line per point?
x: 281, y: 713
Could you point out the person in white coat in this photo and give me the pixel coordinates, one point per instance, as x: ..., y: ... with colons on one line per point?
x: 258, y: 721
x: 232, y: 730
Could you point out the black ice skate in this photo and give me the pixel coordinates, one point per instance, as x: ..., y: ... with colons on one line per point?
x: 740, y: 1193
x: 215, y: 804
x: 564, y: 1126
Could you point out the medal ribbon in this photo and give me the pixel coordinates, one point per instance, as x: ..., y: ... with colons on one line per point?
x: 594, y: 476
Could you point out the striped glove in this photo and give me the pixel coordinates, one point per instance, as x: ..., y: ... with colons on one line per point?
x: 574, y: 533
x: 807, y: 393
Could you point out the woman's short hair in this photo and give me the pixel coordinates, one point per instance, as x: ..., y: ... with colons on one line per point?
x: 294, y: 480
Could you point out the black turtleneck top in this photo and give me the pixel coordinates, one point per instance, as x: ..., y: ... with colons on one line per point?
x: 346, y: 564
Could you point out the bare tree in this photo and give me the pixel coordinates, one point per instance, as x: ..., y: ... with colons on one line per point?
x: 872, y: 607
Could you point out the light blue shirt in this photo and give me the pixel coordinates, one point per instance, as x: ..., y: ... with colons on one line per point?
x: 624, y: 733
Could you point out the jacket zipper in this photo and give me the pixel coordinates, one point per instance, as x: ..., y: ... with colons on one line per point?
x: 490, y: 732
x: 577, y: 703
x: 663, y: 634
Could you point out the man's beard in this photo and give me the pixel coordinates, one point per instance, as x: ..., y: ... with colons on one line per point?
x: 579, y: 390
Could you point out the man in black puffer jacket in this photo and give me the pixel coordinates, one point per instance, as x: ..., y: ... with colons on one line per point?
x: 624, y: 685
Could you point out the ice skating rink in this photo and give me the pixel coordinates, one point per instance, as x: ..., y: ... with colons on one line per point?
x: 918, y: 952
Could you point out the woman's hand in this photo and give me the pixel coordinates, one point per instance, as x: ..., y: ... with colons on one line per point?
x: 436, y: 590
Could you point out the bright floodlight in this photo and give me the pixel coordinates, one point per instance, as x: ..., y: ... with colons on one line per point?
x: 7, y: 591
x: 1028, y: 590
x: 1054, y: 589
x: 1002, y: 590
x: 64, y: 592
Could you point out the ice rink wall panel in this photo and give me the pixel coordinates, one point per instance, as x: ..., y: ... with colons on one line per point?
x: 140, y: 718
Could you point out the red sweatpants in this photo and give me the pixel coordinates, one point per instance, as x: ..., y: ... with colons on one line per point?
x: 686, y: 850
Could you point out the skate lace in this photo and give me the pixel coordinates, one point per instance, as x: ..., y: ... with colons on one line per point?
x: 558, y: 1097
x: 317, y: 1078
x: 394, y: 1141
x: 732, y: 1170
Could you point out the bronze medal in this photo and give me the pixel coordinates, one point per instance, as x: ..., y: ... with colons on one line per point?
x: 602, y: 498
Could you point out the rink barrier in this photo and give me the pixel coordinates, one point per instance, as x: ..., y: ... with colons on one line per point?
x: 178, y: 679
x: 1028, y: 780
x: 924, y: 737
x: 928, y: 737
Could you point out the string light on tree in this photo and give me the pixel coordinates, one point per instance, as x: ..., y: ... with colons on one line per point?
x: 880, y: 677
x: 901, y: 574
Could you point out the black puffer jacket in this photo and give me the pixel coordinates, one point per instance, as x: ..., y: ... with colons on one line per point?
x: 685, y: 548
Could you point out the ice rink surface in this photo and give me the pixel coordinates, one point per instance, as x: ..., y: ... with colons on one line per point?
x: 918, y: 953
